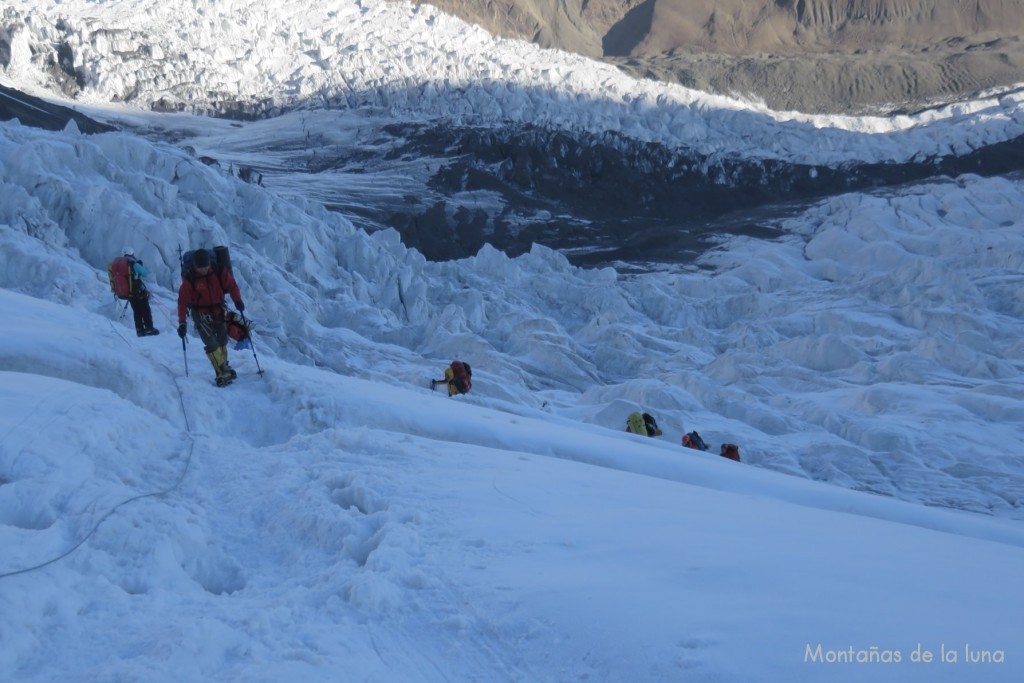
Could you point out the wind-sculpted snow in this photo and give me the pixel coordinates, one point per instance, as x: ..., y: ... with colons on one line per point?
x: 876, y: 345
x: 247, y: 59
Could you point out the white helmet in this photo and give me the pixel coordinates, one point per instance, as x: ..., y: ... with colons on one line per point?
x: 128, y: 251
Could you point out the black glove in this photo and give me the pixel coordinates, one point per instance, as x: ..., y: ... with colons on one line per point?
x: 240, y: 305
x: 181, y: 330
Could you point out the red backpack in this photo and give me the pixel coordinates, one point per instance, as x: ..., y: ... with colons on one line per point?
x: 238, y: 329
x: 119, y: 272
x: 731, y: 451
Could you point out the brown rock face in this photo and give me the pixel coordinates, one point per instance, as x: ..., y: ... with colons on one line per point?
x: 853, y: 56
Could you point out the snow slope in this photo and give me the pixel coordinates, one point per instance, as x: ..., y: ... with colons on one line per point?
x: 333, y: 520
x: 878, y: 346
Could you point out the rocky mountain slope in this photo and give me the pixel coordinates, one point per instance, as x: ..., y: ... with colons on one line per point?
x: 816, y: 56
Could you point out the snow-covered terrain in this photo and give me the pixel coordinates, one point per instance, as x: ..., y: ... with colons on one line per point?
x: 333, y: 520
x: 404, y: 117
x: 247, y: 57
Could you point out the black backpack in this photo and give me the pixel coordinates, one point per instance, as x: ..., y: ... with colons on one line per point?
x: 651, y: 425
x: 220, y: 260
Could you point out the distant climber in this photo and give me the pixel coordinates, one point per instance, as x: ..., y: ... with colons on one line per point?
x: 206, y: 279
x: 727, y: 450
x: 694, y: 440
x: 643, y: 424
x: 126, y: 273
x: 458, y: 378
x: 731, y: 451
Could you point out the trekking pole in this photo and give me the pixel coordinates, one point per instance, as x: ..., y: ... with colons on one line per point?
x: 259, y: 370
x: 123, y: 310
x: 184, y: 353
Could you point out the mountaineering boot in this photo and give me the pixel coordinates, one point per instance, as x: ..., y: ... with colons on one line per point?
x: 433, y: 383
x: 216, y: 360
x: 224, y: 371
x: 152, y: 331
x: 225, y: 367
